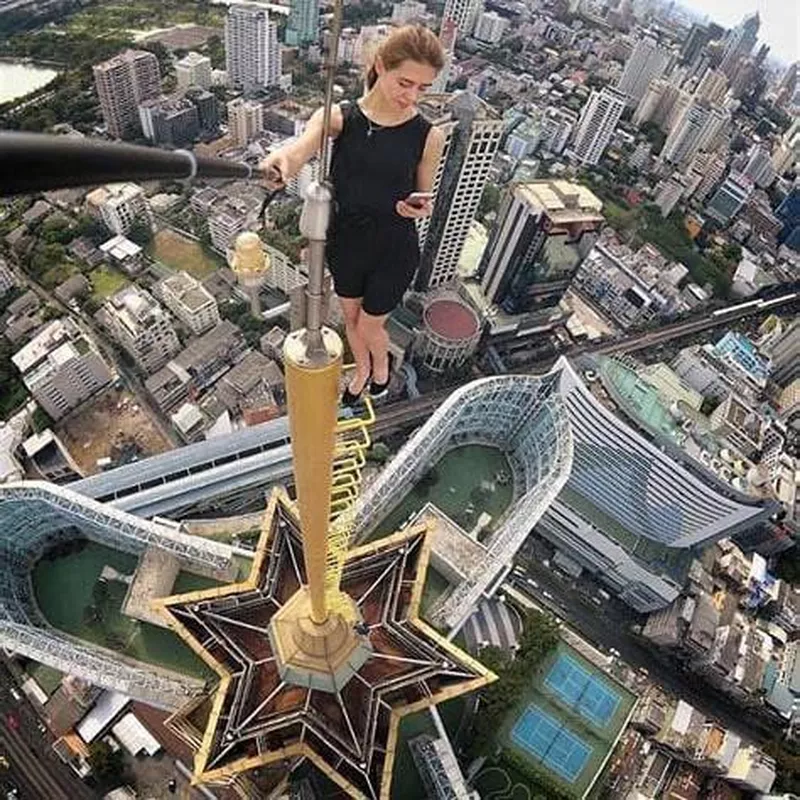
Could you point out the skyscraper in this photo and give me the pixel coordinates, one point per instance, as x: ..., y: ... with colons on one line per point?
x: 597, y: 122
x: 463, y: 13
x: 543, y: 231
x: 759, y: 166
x: 695, y: 130
x: 712, y: 86
x: 472, y: 132
x: 252, y: 52
x: 122, y: 83
x: 740, y: 43
x: 647, y: 61
x: 303, y: 25
x: 698, y: 37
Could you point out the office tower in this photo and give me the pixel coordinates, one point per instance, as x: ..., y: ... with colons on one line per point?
x: 170, y: 120
x: 245, y: 120
x: 472, y: 132
x: 252, y: 52
x: 193, y: 70
x: 599, y: 118
x: 303, y: 25
x: 463, y: 14
x: 739, y: 44
x: 543, y: 231
x: 119, y: 205
x: 62, y: 368
x: 647, y: 61
x: 697, y: 38
x: 788, y: 212
x: 730, y: 197
x: 490, y: 27
x: 759, y: 166
x: 122, y: 83
x: 697, y: 129
x: 712, y: 86
x: 142, y: 327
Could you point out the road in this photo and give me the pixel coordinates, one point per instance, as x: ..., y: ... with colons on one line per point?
x: 610, y: 627
x: 34, y: 768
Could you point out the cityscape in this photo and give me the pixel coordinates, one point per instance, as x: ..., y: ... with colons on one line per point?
x: 558, y: 560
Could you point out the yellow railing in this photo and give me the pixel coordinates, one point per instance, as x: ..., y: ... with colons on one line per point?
x: 352, y: 442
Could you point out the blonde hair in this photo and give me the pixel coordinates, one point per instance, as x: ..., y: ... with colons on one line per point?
x: 408, y: 43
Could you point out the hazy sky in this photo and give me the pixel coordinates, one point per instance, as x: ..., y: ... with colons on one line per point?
x: 780, y: 21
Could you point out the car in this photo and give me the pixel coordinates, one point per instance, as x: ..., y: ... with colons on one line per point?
x: 547, y: 595
x: 614, y: 652
x: 15, y: 694
x: 597, y: 601
x: 533, y: 583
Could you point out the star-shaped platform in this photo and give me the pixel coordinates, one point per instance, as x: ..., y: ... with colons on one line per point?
x: 258, y: 719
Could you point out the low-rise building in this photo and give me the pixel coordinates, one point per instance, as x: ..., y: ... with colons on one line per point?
x: 739, y: 425
x: 123, y: 254
x: 62, y: 368
x: 119, y: 205
x: 189, y: 301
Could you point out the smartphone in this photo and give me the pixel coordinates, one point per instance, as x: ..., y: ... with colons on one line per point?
x: 418, y: 199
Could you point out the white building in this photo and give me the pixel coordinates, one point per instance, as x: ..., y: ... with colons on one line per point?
x: 668, y: 192
x: 193, y: 70
x: 472, y: 132
x: 142, y: 327
x: 252, y: 52
x: 62, y: 368
x: 647, y: 61
x: 463, y: 14
x: 245, y: 120
x: 598, y: 120
x: 119, y: 205
x: 408, y: 11
x: 752, y: 769
x: 729, y: 198
x: 190, y: 302
x: 224, y: 224
x: 696, y: 130
x: 759, y: 166
x: 490, y: 27
x: 557, y: 125
x: 712, y: 87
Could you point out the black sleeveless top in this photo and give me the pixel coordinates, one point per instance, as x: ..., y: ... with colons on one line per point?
x: 371, y: 171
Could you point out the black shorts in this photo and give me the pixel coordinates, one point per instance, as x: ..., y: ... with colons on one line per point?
x: 372, y: 259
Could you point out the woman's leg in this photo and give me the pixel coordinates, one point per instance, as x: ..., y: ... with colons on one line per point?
x: 351, y: 310
x: 372, y: 330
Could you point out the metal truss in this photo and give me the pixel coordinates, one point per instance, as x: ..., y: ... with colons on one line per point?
x: 35, y: 516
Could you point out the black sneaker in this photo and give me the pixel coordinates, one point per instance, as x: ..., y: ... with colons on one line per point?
x: 377, y: 391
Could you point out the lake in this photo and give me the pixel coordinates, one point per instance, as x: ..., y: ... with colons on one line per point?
x: 18, y: 79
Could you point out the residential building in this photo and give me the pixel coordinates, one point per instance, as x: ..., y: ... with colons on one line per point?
x: 739, y: 425
x: 123, y: 254
x: 119, y: 205
x: 647, y: 61
x: 490, y: 27
x: 207, y: 107
x: 759, y: 166
x: 739, y: 352
x: 640, y: 157
x: 252, y: 52
x: 193, y: 70
x: 784, y: 354
x: 245, y: 120
x: 712, y: 87
x: 141, y: 327
x: 408, y: 11
x: 462, y: 13
x: 190, y: 302
x: 472, y: 132
x: 228, y: 220
x: 701, y: 369
x: 704, y: 174
x: 7, y: 278
x: 695, y: 130
x: 543, y: 231
x: 730, y: 197
x: 303, y: 25
x: 752, y: 769
x: 556, y: 126
x: 170, y: 120
x: 122, y: 83
x: 668, y: 192
x: 62, y: 367
x: 597, y: 123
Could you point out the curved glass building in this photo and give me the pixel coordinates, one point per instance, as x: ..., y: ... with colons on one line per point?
x: 35, y: 516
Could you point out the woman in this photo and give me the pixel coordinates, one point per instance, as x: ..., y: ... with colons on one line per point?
x: 384, y: 152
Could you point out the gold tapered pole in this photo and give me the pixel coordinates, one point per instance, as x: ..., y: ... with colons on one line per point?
x: 312, y: 390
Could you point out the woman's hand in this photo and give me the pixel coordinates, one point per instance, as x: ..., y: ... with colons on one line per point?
x: 410, y: 211
x: 277, y: 169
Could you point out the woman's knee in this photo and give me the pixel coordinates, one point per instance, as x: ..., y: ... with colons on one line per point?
x: 371, y: 329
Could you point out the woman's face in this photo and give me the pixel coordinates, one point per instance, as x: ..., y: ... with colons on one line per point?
x: 403, y: 85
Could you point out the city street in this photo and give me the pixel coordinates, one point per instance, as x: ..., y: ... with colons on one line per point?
x: 609, y: 626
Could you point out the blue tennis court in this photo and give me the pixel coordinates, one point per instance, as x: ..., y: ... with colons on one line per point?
x: 547, y: 739
x: 582, y: 691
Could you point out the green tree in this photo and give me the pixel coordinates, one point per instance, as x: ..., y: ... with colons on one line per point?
x: 107, y: 764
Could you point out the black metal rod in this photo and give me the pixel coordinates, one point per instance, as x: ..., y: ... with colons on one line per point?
x: 35, y: 162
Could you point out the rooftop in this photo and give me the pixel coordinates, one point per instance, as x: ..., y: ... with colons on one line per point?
x: 563, y: 201
x: 451, y: 319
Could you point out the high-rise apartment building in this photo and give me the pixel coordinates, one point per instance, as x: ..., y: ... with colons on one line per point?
x: 705, y: 172
x: 408, y: 11
x: 759, y: 166
x: 252, y: 52
x: 62, y: 368
x: 598, y: 120
x: 122, y: 83
x: 729, y: 198
x: 170, y: 120
x: 784, y: 354
x: 472, y: 131
x: 557, y: 125
x: 647, y: 61
x: 543, y: 231
x: 697, y: 129
x: 142, y: 327
x: 119, y: 205
x: 193, y: 70
x: 490, y: 27
x: 245, y: 120
x: 303, y: 25
x: 190, y: 302
x: 668, y: 192
x: 712, y: 87
x: 463, y: 14
x: 739, y: 44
